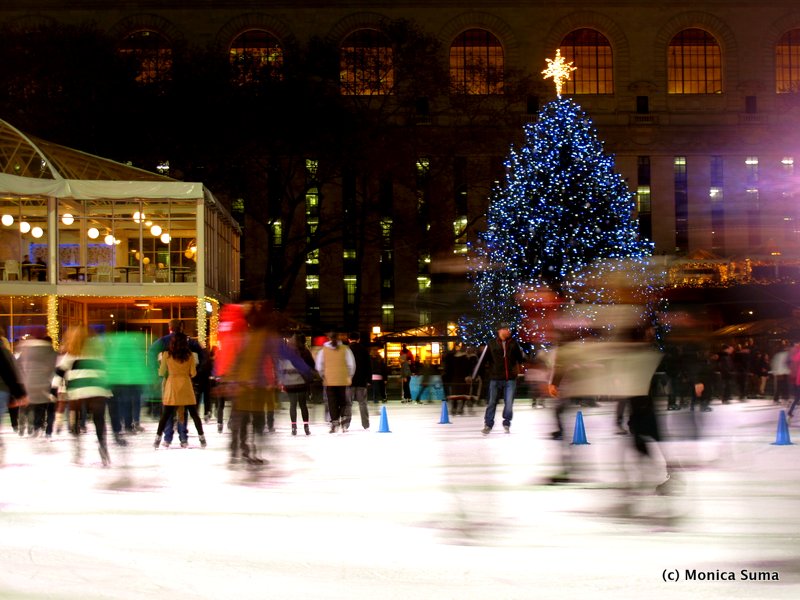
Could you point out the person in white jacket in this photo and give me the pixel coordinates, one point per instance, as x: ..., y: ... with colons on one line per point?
x: 336, y: 365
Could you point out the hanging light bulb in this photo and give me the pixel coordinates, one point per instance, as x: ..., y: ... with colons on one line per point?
x: 7, y: 220
x: 155, y: 230
x: 37, y: 232
x: 67, y: 219
x: 109, y: 240
x: 138, y: 217
x: 24, y: 227
x: 165, y: 237
x: 93, y: 233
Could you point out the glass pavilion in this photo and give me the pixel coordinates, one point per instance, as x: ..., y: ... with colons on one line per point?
x: 88, y: 240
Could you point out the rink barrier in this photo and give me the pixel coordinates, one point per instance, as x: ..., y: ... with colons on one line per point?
x: 782, y: 438
x: 445, y: 418
x: 384, y: 424
x: 579, y: 436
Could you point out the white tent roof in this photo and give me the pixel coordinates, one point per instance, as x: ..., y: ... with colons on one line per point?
x: 33, y: 167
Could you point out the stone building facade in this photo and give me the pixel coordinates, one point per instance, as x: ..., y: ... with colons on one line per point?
x: 698, y: 101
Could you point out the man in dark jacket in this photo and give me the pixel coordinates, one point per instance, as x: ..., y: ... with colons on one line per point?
x: 504, y: 357
x: 362, y: 378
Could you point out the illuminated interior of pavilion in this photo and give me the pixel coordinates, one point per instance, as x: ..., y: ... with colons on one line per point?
x: 84, y: 239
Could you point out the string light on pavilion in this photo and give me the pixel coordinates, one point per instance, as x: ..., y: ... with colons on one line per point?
x: 559, y: 70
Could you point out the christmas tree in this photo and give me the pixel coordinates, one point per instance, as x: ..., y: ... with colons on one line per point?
x: 562, y: 223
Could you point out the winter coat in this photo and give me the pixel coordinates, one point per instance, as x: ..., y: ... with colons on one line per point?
x: 81, y: 376
x: 125, y: 358
x: 363, y: 375
x: 36, y: 363
x: 10, y: 379
x: 504, y: 359
x: 291, y: 378
x: 178, y: 389
x: 336, y: 365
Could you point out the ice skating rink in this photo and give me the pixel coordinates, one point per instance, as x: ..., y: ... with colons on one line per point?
x: 427, y: 511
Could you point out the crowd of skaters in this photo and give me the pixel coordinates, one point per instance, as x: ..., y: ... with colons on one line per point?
x: 108, y: 379
x: 730, y: 372
x: 99, y: 376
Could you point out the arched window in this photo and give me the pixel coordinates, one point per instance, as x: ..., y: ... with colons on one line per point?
x: 366, y: 64
x: 476, y: 63
x: 256, y: 53
x: 694, y: 63
x: 787, y: 63
x: 589, y: 51
x: 152, y: 52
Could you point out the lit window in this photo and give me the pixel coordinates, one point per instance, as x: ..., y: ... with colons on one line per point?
x: 153, y: 54
x: 787, y: 63
x: 312, y: 202
x: 255, y: 53
x: 423, y: 167
x: 643, y: 199
x: 387, y: 316
x: 590, y: 52
x: 350, y: 285
x: 681, y: 180
x: 277, y: 233
x: 751, y: 171
x: 460, y: 234
x: 386, y: 232
x: 312, y: 256
x: 694, y: 63
x: 476, y: 63
x: 367, y: 64
x: 312, y: 282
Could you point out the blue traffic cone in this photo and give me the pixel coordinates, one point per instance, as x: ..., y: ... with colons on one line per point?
x: 782, y: 439
x: 384, y: 426
x: 579, y: 437
x: 445, y: 418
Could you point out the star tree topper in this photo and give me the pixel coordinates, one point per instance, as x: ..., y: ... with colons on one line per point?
x: 558, y: 70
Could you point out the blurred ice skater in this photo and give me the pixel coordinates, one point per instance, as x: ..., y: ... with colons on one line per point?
x: 82, y: 371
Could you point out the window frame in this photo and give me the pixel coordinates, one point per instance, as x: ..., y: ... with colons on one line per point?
x: 791, y: 82
x: 366, y: 68
x: 709, y: 79
x: 477, y: 69
x: 595, y: 73
x: 255, y: 57
x: 154, y: 62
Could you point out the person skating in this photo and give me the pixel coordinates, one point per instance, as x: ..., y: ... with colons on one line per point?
x: 82, y: 372
x: 178, y: 366
x: 336, y: 365
x: 504, y: 357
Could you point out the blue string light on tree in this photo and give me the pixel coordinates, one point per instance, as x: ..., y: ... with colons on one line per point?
x: 562, y: 220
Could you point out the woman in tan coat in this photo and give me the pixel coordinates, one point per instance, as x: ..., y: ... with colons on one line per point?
x: 179, y: 368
